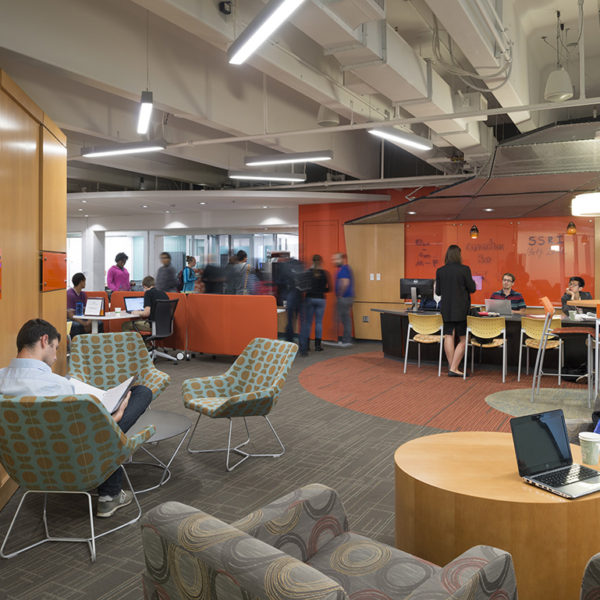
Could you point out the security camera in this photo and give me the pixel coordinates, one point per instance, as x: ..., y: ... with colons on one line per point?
x: 225, y: 7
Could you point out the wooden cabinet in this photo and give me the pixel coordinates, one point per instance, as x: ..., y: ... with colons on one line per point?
x: 376, y: 255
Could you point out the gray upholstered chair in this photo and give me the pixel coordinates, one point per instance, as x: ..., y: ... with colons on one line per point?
x: 299, y: 547
x: 590, y: 586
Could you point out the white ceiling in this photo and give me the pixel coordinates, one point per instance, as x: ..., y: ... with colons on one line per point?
x: 85, y: 63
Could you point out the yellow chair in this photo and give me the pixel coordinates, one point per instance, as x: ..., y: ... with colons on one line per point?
x: 429, y: 329
x: 533, y: 328
x: 490, y: 329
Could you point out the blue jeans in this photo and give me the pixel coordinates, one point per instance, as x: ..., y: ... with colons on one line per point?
x: 314, y: 308
x: 140, y: 399
x: 344, y: 306
x: 293, y: 299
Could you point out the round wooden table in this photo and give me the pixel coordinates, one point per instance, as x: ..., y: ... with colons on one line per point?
x: 458, y: 490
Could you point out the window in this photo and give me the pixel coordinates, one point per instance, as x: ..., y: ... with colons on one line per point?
x: 133, y: 245
x: 74, y: 255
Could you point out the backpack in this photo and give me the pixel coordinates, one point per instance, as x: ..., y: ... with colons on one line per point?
x: 180, y: 280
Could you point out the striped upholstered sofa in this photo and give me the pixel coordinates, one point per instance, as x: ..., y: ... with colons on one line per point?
x: 299, y: 548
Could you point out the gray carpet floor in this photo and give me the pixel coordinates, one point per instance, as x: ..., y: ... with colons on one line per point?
x: 349, y: 451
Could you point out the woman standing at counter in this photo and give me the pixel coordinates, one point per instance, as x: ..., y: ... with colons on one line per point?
x: 453, y: 282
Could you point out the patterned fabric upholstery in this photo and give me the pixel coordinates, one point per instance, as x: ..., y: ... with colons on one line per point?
x: 314, y: 513
x: 250, y: 387
x: 105, y: 360
x: 590, y: 586
x: 367, y: 569
x: 62, y: 443
x: 192, y: 555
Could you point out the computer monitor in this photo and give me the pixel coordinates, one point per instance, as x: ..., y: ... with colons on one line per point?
x: 416, y: 288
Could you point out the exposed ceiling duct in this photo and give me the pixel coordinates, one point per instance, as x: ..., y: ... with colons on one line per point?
x: 380, y: 58
x: 536, y: 175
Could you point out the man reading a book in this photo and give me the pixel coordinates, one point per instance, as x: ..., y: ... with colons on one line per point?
x: 30, y: 374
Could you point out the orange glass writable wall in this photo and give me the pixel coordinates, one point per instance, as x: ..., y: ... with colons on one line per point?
x: 537, y: 251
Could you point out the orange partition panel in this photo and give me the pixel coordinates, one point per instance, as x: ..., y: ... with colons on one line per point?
x: 179, y: 338
x: 116, y: 301
x: 537, y: 251
x: 223, y: 324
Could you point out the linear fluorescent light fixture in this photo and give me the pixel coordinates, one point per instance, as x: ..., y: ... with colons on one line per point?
x: 293, y: 177
x: 402, y: 138
x: 586, y: 205
x: 260, y: 29
x: 285, y: 159
x: 134, y: 148
x: 145, y: 113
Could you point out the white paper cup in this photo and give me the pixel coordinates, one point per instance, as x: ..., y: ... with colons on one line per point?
x: 572, y: 314
x: 590, y: 447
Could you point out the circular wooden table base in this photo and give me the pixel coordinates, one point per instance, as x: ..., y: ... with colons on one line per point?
x: 458, y: 490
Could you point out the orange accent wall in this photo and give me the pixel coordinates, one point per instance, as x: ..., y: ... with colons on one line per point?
x: 321, y: 231
x: 537, y: 251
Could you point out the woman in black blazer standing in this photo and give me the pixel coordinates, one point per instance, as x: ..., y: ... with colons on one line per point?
x: 454, y: 283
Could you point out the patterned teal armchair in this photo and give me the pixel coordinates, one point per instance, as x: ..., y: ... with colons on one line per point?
x: 249, y: 388
x: 299, y: 547
x: 107, y: 359
x: 62, y: 444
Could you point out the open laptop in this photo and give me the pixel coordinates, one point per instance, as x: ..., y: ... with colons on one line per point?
x: 544, y: 456
x: 502, y: 307
x: 134, y: 303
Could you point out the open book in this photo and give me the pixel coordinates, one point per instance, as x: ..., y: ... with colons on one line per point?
x: 112, y: 398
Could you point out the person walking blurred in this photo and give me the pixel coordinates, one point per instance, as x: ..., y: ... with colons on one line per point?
x: 166, y: 276
x: 314, y: 305
x: 454, y: 283
x: 344, y: 292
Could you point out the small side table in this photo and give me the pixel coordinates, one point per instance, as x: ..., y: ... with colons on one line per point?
x: 168, y: 425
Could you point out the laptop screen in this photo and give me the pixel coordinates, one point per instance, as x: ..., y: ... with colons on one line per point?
x: 541, y: 442
x: 502, y: 307
x: 134, y: 303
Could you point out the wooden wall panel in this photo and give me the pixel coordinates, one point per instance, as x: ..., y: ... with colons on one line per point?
x: 53, y: 190
x: 376, y: 253
x: 19, y: 232
x: 33, y: 214
x: 370, y: 329
x: 53, y: 310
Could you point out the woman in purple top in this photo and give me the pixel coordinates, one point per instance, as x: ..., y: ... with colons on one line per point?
x: 117, y: 277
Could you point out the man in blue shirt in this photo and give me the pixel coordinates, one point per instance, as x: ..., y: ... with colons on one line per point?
x: 30, y: 374
x: 344, y: 292
x: 517, y: 303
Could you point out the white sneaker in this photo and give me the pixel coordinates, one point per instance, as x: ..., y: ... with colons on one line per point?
x: 107, y: 508
x: 344, y: 344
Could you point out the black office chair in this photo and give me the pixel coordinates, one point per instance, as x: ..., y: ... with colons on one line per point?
x: 162, y: 327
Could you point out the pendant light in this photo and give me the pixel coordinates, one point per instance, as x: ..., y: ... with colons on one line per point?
x: 558, y: 85
x: 571, y: 229
x: 474, y: 232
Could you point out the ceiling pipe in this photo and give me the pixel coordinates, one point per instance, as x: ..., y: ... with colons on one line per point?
x: 474, y: 114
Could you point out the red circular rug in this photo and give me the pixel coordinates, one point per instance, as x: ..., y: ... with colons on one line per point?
x: 374, y: 385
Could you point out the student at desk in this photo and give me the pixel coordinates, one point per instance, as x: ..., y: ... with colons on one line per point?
x: 574, y: 292
x: 151, y: 294
x: 517, y: 303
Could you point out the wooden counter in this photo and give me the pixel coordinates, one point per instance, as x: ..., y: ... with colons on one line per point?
x: 457, y: 490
